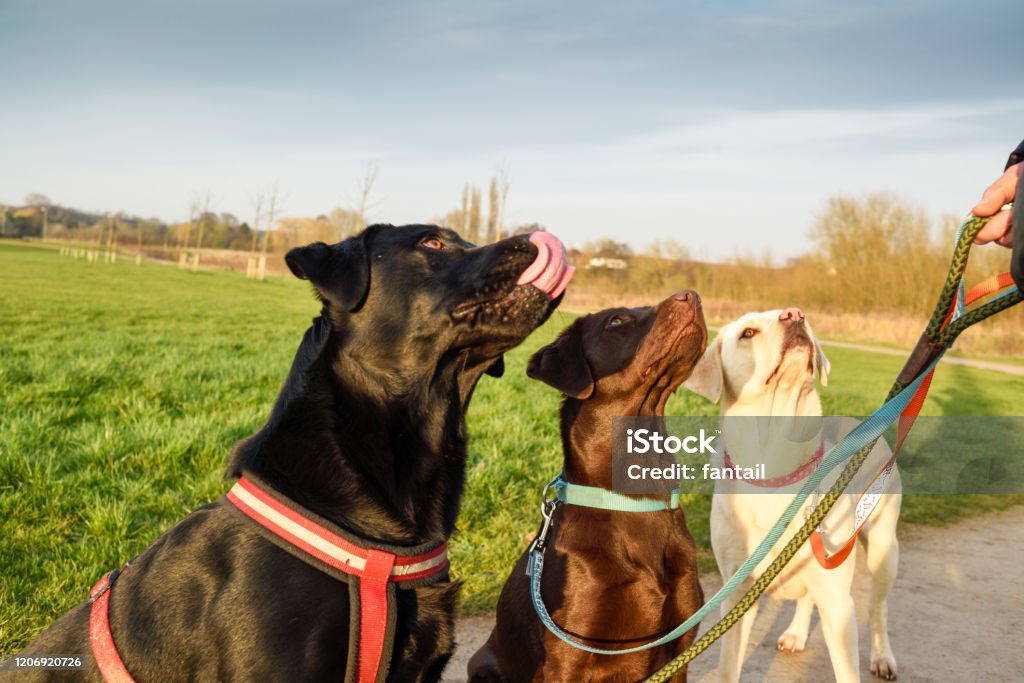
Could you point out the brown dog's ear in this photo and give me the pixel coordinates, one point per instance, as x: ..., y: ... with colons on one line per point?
x: 340, y: 272
x: 562, y: 365
x: 706, y: 378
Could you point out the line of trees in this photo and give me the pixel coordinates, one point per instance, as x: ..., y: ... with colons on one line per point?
x: 267, y: 231
x: 868, y: 254
x: 40, y: 217
x: 468, y: 220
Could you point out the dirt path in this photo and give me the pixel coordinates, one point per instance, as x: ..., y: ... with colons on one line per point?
x: 1005, y: 368
x: 956, y: 613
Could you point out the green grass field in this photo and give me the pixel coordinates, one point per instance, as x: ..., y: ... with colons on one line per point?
x: 123, y: 388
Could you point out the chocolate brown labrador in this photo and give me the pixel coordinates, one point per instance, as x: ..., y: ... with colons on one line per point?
x: 613, y: 579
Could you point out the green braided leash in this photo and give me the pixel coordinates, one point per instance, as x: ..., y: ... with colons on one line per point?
x: 935, y: 333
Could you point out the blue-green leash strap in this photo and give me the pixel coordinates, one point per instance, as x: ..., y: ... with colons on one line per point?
x: 603, y: 499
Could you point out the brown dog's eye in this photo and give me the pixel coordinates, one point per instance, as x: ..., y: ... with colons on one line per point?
x: 748, y: 333
x: 432, y: 243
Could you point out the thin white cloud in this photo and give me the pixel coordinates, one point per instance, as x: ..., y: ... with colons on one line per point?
x: 736, y: 135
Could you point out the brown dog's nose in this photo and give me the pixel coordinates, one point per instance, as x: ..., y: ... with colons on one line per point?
x: 791, y: 315
x: 687, y: 296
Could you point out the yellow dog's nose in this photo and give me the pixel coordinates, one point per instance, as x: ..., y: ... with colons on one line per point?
x: 792, y: 315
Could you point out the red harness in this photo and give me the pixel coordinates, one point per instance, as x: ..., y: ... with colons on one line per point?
x: 108, y: 661
x: 323, y: 545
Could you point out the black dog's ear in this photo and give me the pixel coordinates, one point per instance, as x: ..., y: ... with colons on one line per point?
x: 340, y: 272
x: 497, y: 368
x: 561, y: 364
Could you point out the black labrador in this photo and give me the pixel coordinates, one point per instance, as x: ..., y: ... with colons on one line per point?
x: 368, y: 432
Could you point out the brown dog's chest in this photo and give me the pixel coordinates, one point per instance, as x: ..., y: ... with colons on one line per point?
x: 621, y: 578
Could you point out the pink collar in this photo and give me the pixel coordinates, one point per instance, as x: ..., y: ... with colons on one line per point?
x: 785, y: 480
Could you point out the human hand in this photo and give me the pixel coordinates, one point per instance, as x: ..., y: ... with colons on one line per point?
x: 998, y: 194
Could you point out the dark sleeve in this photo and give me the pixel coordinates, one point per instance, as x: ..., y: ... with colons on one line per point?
x: 1017, y: 258
x: 1016, y: 156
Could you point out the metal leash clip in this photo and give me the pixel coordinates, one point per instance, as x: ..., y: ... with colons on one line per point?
x: 548, y: 505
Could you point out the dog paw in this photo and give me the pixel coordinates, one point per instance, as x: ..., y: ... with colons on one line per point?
x: 884, y: 667
x: 792, y: 642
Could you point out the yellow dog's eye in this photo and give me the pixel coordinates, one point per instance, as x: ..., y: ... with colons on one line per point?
x: 748, y: 333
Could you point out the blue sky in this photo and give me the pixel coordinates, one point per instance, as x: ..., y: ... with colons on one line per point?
x: 721, y: 125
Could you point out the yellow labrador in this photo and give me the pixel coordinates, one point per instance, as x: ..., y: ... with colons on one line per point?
x: 764, y: 365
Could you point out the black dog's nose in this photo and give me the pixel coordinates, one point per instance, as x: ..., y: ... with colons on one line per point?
x: 791, y: 315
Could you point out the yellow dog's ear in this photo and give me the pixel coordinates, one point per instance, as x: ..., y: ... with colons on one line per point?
x: 706, y: 378
x: 821, y: 364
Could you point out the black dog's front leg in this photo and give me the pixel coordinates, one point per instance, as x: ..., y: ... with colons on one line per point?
x: 425, y: 637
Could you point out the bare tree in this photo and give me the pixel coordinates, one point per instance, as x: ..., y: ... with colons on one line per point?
x: 298, y: 230
x: 193, y: 211
x: 111, y: 255
x: 94, y: 254
x: 474, y: 216
x: 609, y: 248
x: 194, y: 208
x: 504, y: 181
x: 463, y: 226
x: 257, y: 215
x: 138, y: 246
x: 344, y: 222
x: 365, y: 187
x: 205, y: 204
x: 492, y: 210
x: 250, y: 266
x: 667, y: 254
x: 261, y: 266
x: 37, y: 200
x: 669, y: 250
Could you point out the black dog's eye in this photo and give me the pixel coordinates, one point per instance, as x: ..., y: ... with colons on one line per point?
x: 432, y: 243
x: 616, y: 321
x: 748, y: 333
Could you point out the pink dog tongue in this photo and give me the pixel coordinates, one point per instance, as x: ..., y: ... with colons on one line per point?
x: 550, y: 272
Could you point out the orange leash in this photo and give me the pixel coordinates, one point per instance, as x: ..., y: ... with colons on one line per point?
x: 867, y: 501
